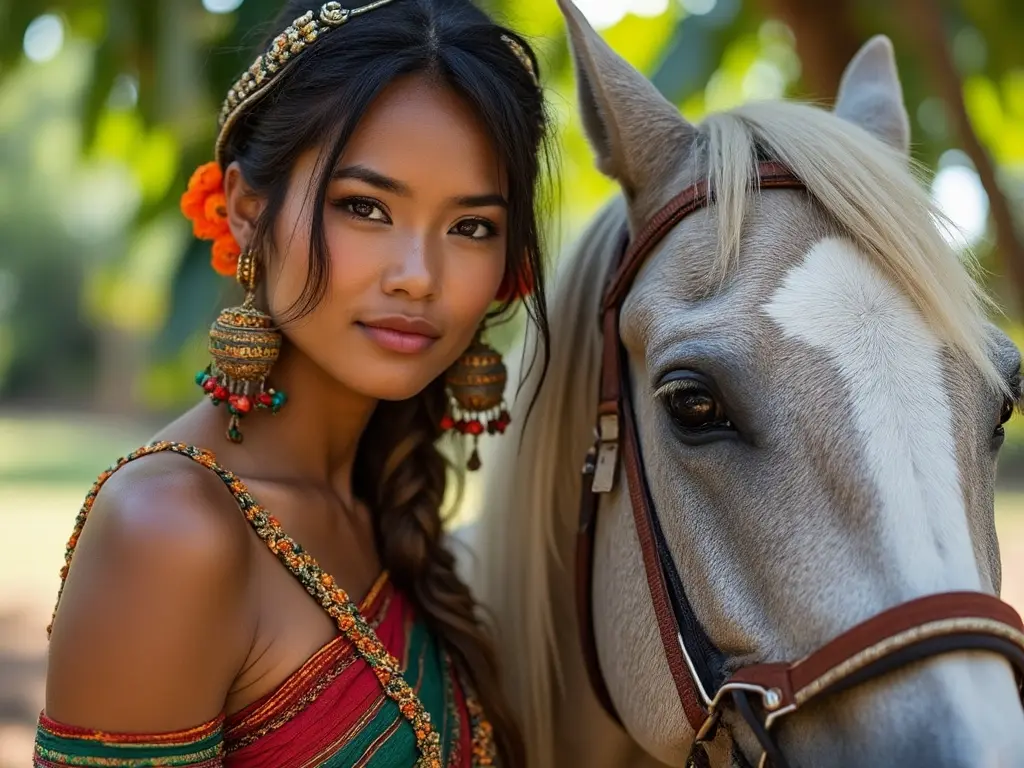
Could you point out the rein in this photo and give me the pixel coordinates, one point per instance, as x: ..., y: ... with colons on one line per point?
x: 762, y: 693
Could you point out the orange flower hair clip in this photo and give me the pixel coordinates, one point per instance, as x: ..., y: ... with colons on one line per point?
x: 205, y: 205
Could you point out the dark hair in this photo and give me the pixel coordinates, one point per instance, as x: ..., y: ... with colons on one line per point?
x: 318, y: 101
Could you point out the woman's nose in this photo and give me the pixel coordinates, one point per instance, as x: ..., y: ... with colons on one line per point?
x: 414, y: 271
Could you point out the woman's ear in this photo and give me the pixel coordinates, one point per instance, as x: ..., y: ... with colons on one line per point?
x: 244, y: 206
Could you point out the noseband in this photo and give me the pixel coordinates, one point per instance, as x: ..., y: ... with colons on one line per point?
x: 762, y: 693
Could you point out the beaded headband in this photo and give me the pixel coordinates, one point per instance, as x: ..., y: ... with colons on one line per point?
x: 303, y: 32
x: 523, y: 56
x: 255, y: 81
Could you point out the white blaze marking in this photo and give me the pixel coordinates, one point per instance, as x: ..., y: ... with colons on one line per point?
x: 891, y: 364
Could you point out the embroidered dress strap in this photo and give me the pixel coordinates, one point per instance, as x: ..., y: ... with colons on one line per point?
x: 321, y: 586
x: 62, y: 746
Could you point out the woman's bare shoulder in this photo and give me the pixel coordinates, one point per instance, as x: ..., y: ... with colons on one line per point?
x: 169, y: 501
x: 153, y: 624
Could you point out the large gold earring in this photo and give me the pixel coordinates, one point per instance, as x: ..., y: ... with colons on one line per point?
x: 244, y: 345
x: 476, y: 395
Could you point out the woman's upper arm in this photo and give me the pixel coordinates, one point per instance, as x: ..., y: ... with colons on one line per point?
x: 152, y: 628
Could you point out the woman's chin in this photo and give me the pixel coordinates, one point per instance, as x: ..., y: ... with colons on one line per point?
x: 395, y: 393
x: 392, y: 383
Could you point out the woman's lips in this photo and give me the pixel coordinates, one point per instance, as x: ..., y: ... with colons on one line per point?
x: 395, y: 340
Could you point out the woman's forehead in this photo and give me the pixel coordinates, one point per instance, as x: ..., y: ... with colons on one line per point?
x: 425, y: 135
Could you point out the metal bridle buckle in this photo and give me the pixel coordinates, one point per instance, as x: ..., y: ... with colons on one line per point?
x: 771, y: 702
x: 607, y: 453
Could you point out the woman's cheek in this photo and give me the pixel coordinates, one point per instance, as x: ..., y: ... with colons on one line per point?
x: 478, y: 276
x: 358, y: 261
x: 289, y: 272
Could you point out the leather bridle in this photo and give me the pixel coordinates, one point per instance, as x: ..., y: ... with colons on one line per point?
x: 762, y: 693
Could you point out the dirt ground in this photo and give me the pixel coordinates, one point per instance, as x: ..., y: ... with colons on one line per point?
x: 37, y: 520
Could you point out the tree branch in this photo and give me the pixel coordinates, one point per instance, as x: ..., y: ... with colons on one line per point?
x: 924, y: 20
x: 826, y: 39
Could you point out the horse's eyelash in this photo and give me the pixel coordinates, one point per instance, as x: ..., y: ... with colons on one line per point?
x: 675, y: 385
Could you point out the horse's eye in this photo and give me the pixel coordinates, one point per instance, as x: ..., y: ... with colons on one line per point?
x: 692, y: 405
x: 1005, y: 414
x: 1007, y: 411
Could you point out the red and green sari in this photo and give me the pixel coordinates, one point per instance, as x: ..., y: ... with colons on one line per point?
x: 382, y: 693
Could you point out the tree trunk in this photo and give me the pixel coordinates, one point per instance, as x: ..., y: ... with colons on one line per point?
x: 924, y: 19
x: 826, y: 39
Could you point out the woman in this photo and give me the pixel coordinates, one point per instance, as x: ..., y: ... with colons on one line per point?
x: 374, y: 192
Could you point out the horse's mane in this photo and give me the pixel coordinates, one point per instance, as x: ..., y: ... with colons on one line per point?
x: 872, y: 193
x: 534, y: 471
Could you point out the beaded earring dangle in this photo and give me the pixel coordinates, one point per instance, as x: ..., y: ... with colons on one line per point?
x: 244, y: 345
x: 475, y: 384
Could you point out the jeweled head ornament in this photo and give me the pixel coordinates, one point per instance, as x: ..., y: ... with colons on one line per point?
x: 524, y: 58
x: 255, y: 82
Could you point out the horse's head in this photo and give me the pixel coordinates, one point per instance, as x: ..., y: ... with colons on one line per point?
x: 820, y: 404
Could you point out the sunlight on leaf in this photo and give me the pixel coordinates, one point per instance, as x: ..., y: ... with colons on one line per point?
x: 118, y: 135
x: 155, y: 164
x: 641, y: 40
x: 983, y: 105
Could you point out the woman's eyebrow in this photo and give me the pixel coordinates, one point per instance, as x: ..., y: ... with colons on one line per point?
x: 388, y: 184
x: 481, y: 201
x: 373, y: 178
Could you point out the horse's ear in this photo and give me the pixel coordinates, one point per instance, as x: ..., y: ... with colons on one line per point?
x: 871, y: 96
x: 633, y: 129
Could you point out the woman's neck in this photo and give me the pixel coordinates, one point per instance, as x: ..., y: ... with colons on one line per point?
x: 315, y: 435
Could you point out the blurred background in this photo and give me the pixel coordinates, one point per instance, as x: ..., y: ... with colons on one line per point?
x: 106, y: 107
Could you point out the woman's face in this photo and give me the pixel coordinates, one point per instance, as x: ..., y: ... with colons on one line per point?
x: 415, y: 223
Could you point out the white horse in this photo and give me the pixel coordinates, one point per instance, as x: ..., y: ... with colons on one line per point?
x: 852, y: 391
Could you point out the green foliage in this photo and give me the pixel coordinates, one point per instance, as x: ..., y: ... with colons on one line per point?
x: 97, y: 145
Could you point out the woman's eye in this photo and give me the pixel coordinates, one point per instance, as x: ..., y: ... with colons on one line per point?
x: 365, y: 209
x: 693, y: 406
x: 475, y: 229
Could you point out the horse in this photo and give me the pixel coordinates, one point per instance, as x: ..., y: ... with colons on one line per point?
x: 819, y: 397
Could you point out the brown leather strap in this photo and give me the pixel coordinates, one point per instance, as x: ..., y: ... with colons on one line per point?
x: 882, y: 635
x: 693, y: 198
x: 618, y: 404
x: 668, y: 628
x: 584, y: 584
x: 610, y: 402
